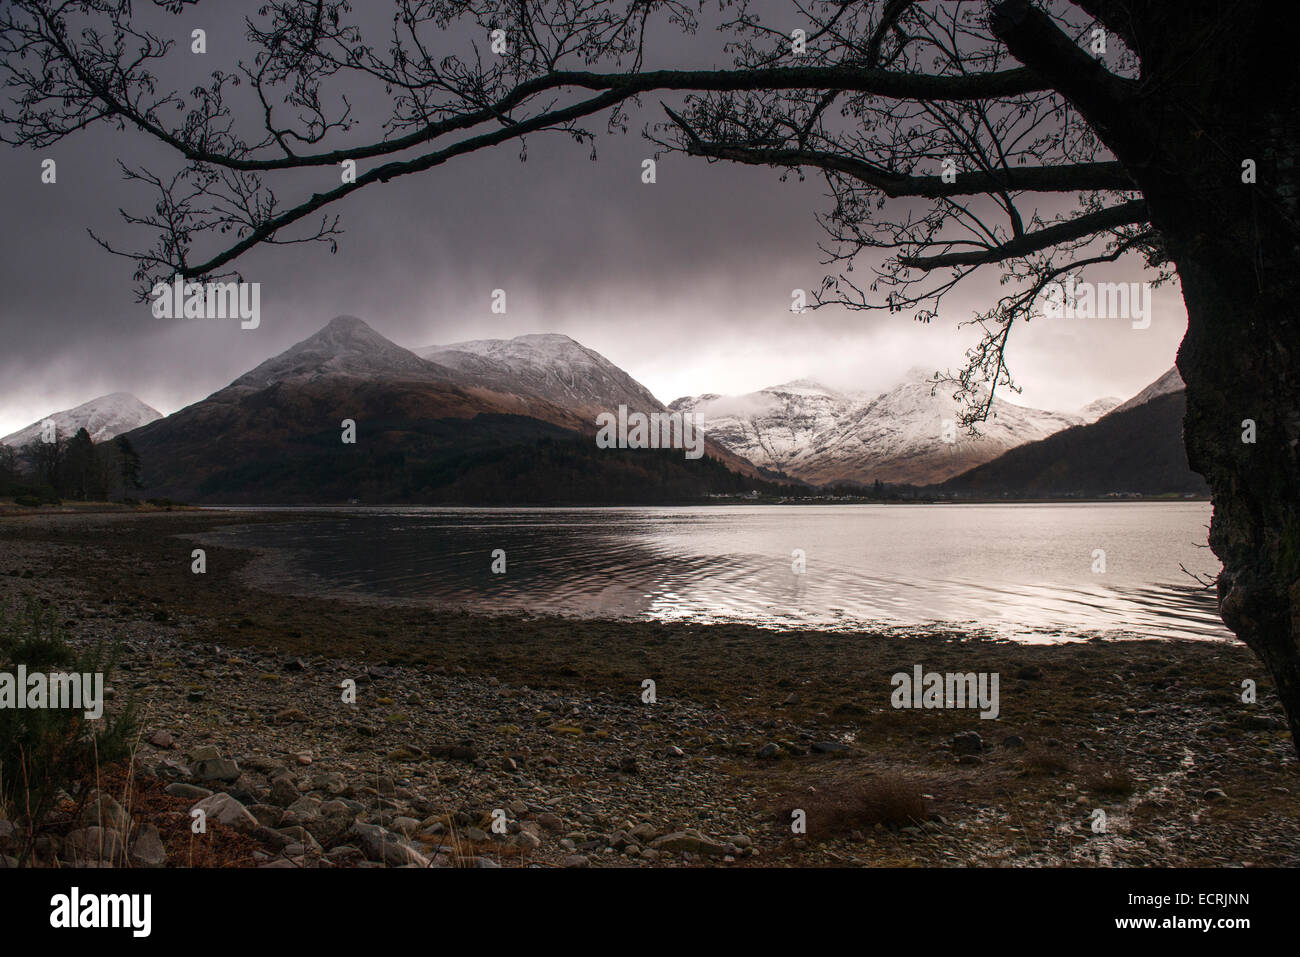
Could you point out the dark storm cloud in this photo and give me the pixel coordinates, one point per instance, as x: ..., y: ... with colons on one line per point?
x: 685, y: 283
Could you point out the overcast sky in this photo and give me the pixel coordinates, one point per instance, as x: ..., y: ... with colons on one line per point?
x: 685, y: 283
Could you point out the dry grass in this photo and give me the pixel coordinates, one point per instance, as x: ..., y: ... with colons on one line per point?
x: 1041, y: 761
x: 837, y: 810
x: 1109, y: 782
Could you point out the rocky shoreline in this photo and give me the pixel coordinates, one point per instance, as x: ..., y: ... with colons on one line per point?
x: 517, y: 741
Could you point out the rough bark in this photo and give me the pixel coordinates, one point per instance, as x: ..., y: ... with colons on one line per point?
x: 1219, y: 89
x: 1221, y: 99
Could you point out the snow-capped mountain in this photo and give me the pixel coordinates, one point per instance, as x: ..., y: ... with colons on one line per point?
x: 1170, y: 382
x: 489, y: 421
x: 344, y: 347
x: 1095, y: 409
x: 905, y: 435
x: 552, y: 367
x: 1137, y: 448
x: 780, y: 427
x: 104, y: 418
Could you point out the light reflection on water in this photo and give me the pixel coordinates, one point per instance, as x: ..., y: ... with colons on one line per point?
x: 1023, y: 571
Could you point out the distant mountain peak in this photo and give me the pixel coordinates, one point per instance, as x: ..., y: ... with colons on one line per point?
x: 1095, y: 409
x: 820, y: 435
x: 346, y: 322
x: 1171, y: 381
x: 802, y: 386
x: 919, y: 374
x: 549, y: 365
x: 105, y: 417
x: 345, y: 346
x: 349, y: 332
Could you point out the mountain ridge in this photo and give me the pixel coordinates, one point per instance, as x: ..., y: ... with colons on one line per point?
x: 1136, y: 448
x: 425, y: 431
x: 104, y: 417
x: 906, y: 434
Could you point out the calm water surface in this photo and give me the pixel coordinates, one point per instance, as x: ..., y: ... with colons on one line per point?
x: 1023, y: 571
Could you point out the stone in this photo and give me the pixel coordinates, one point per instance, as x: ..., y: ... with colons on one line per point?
x: 224, y: 809
x: 406, y: 826
x: 379, y: 844
x: 828, y: 747
x: 93, y: 844
x: 967, y: 742
x: 190, y: 791
x: 269, y: 837
x: 162, y: 739
x: 147, y: 849
x: 283, y: 793
x: 691, y: 841
x: 215, y: 769
x: 104, y: 811
x: 334, y: 820
x: 332, y: 783
x: 267, y: 814
x: 645, y: 832
x: 769, y: 750
x: 301, y: 837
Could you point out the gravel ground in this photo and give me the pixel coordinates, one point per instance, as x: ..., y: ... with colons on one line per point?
x: 513, y: 740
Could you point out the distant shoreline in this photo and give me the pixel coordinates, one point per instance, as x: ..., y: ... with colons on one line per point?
x: 9, y: 509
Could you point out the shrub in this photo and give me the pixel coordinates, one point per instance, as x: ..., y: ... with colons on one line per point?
x: 836, y: 810
x: 48, y: 751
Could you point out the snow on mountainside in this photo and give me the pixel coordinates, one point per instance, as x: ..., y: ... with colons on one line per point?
x: 1171, y: 381
x: 345, y: 347
x: 1095, y: 409
x: 822, y: 435
x: 104, y: 418
x: 779, y: 427
x: 551, y: 366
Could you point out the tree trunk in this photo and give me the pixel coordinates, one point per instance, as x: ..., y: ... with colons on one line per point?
x: 1250, y: 373
x: 1218, y: 88
x: 1237, y: 248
